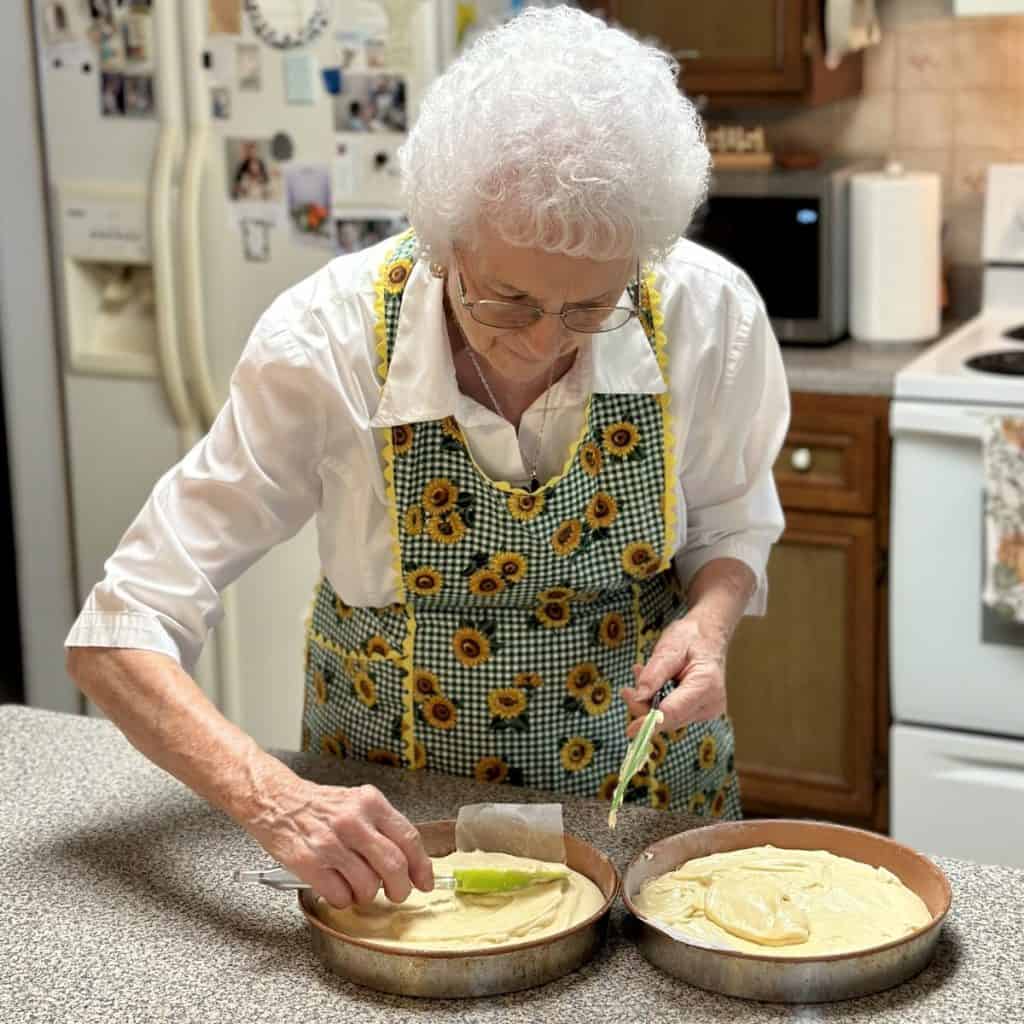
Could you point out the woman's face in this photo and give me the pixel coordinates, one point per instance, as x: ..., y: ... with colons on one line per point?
x: 552, y: 282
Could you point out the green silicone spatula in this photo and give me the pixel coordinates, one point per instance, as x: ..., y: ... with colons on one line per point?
x: 473, y: 881
x: 485, y: 880
x: 637, y: 753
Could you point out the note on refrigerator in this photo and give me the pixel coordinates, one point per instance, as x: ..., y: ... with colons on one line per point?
x: 343, y: 173
x: 300, y: 75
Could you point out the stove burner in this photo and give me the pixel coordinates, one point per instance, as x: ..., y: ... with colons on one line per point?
x: 1015, y: 333
x: 1009, y: 361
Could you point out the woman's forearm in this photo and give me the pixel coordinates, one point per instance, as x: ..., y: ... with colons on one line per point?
x: 719, y: 593
x: 165, y: 715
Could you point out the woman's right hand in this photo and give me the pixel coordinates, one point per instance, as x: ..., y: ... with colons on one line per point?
x: 345, y: 842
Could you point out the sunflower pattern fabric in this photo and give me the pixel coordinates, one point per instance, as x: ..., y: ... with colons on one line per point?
x: 523, y: 612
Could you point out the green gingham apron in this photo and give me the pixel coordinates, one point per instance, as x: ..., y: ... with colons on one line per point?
x: 521, y: 614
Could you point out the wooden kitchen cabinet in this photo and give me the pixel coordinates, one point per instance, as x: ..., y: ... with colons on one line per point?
x: 744, y: 53
x: 808, y: 683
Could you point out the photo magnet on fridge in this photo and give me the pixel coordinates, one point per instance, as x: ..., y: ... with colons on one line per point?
x: 370, y: 103
x: 139, y: 100
x: 136, y: 35
x: 111, y: 94
x: 252, y: 174
x: 359, y: 229
x: 255, y: 239
x: 249, y: 67
x: 224, y: 17
x: 220, y: 102
x: 308, y: 190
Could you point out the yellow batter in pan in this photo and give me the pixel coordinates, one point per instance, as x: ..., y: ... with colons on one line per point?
x: 446, y: 920
x: 777, y: 902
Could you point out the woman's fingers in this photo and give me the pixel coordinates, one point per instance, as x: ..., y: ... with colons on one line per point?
x: 363, y: 879
x: 402, y: 854
x: 693, y: 701
x: 387, y: 863
x: 332, y: 886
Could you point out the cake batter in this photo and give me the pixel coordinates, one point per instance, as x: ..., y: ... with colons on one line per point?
x: 446, y: 920
x: 775, y: 902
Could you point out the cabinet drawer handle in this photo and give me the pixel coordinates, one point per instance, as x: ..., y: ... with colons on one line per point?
x: 686, y: 54
x: 801, y: 459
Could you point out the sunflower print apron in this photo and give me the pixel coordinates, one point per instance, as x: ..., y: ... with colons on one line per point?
x: 521, y: 613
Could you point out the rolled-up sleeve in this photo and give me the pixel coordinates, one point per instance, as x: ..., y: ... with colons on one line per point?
x: 733, y: 436
x: 249, y: 484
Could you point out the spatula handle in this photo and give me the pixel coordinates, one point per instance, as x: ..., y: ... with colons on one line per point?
x: 284, y: 880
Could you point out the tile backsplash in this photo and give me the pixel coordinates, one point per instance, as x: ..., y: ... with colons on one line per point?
x: 942, y: 94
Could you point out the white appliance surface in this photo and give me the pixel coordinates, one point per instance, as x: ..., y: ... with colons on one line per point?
x: 144, y: 220
x: 950, y: 664
x: 956, y: 669
x: 957, y: 793
x: 940, y: 373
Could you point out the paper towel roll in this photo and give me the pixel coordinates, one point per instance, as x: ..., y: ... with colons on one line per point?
x: 895, y: 222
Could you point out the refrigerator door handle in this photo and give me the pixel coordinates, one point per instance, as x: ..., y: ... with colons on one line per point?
x: 197, y: 106
x: 196, y: 98
x: 161, y: 220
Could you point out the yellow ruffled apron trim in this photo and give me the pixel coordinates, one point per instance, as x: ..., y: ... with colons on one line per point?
x: 327, y: 644
x: 309, y: 631
x: 505, y: 487
x: 670, y: 514
x: 381, y: 337
x: 408, y: 704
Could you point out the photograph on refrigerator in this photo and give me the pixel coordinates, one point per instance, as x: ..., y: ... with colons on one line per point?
x: 248, y: 67
x: 224, y: 17
x: 359, y: 33
x: 137, y: 91
x: 308, y: 194
x: 220, y: 102
x: 370, y: 103
x: 252, y: 174
x: 361, y: 229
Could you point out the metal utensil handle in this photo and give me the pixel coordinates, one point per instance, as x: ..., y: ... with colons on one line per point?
x: 284, y: 880
x: 666, y: 688
x: 276, y: 878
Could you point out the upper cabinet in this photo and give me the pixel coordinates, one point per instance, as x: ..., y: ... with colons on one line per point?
x: 744, y: 53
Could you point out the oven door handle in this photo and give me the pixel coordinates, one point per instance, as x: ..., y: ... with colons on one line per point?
x: 966, y: 422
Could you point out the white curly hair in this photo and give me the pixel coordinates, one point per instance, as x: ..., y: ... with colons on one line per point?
x: 561, y: 134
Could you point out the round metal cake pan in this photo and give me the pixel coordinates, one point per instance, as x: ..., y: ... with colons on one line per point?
x: 477, y: 972
x: 790, y: 979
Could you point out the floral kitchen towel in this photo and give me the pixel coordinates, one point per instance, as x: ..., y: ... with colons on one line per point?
x: 1004, y: 517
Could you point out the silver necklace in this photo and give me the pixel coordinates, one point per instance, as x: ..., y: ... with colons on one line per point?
x: 534, y: 482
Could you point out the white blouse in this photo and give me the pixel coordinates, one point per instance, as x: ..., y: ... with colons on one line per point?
x: 297, y: 437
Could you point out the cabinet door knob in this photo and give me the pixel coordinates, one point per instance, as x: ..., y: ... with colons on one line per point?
x: 801, y: 459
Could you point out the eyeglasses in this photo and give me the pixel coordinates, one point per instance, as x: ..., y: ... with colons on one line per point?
x: 581, y: 319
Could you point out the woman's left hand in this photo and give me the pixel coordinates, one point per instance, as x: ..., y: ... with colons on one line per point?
x: 691, y: 651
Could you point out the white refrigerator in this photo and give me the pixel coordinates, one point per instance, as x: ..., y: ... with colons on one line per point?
x: 199, y: 156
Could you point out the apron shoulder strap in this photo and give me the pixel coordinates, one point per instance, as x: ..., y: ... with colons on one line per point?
x: 389, y: 287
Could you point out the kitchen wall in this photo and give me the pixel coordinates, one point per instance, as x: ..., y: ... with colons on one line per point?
x: 941, y: 94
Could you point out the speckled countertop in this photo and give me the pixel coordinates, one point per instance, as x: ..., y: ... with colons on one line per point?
x: 847, y: 367
x: 851, y: 367
x: 117, y: 906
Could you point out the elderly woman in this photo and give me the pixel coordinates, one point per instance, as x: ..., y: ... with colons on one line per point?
x: 537, y: 432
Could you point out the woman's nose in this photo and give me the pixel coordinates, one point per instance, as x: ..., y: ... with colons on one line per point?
x: 546, y: 336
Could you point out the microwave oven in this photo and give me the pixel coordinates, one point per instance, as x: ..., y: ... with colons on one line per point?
x: 789, y: 230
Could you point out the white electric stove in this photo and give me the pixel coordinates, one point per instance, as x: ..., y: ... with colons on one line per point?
x: 956, y: 670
